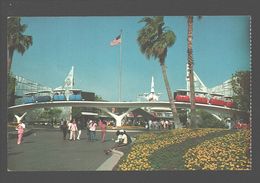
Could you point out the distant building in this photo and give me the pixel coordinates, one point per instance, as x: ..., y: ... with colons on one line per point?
x: 224, y: 88
x: 24, y: 85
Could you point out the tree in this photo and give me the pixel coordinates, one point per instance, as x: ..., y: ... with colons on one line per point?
x: 51, y: 114
x: 154, y: 39
x: 98, y: 98
x: 241, y: 87
x: 33, y: 115
x: 11, y: 90
x: 16, y: 40
x: 191, y: 77
x: 190, y: 70
x: 207, y: 120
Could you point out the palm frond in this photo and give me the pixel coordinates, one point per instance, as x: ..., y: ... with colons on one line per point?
x: 15, y: 38
x: 146, y: 20
x: 154, y: 38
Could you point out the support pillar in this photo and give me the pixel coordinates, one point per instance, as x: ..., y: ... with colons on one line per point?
x: 116, y: 117
x: 18, y: 118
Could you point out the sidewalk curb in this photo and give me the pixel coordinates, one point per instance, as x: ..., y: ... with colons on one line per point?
x: 117, y: 152
x: 109, y: 164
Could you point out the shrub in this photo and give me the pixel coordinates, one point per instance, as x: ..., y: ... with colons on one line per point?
x: 207, y: 120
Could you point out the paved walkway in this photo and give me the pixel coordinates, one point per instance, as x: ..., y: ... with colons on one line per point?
x: 45, y: 150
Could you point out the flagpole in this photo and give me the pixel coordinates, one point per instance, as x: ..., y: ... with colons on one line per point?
x: 120, y: 67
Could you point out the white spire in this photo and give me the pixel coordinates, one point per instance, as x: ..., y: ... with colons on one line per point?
x: 152, y: 96
x: 69, y: 80
x: 152, y: 86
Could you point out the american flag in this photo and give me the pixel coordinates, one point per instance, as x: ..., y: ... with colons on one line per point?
x: 116, y: 41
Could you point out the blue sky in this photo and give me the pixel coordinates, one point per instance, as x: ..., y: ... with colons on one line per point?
x: 221, y: 46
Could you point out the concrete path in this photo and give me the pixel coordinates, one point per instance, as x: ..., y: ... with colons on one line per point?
x: 45, y: 150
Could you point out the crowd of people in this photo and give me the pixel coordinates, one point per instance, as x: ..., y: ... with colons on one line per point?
x: 158, y: 125
x: 74, y: 129
x: 155, y: 124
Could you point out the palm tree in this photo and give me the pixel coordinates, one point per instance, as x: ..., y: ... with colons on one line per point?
x: 154, y: 39
x: 191, y: 77
x: 15, y: 39
x: 190, y: 70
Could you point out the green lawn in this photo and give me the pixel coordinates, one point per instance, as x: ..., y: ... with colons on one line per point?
x: 170, y: 158
x: 164, y: 150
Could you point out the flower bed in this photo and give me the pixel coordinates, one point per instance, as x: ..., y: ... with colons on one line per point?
x: 230, y: 152
x: 147, y: 144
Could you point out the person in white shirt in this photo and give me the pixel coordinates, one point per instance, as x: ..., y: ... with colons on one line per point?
x: 69, y: 129
x: 122, y: 140
x: 92, y: 129
x: 150, y: 123
x: 80, y: 127
x: 73, y: 130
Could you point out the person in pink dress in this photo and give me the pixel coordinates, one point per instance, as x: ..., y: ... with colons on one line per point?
x: 20, y: 128
x: 102, y: 124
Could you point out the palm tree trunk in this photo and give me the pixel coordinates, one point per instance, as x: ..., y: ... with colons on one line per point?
x: 9, y: 59
x: 172, y: 104
x: 191, y: 77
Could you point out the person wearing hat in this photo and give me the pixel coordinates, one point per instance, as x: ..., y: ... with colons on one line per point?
x: 122, y: 140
